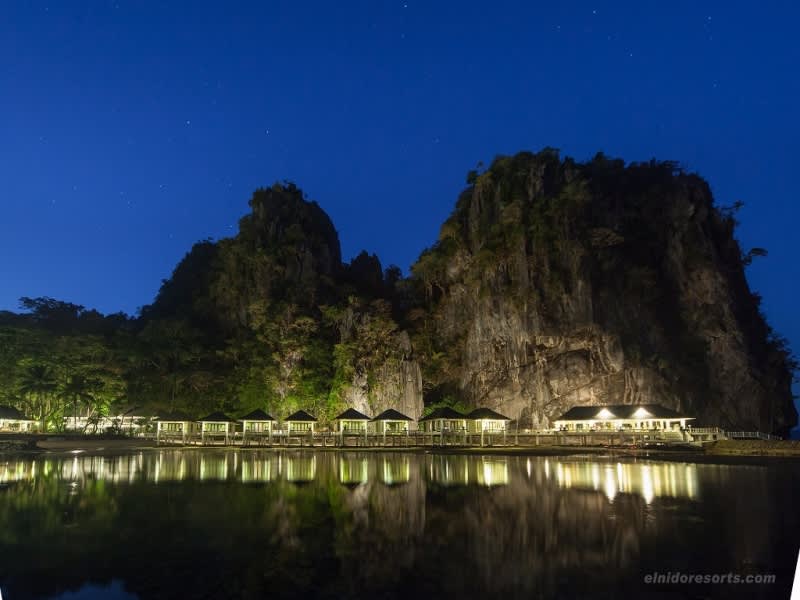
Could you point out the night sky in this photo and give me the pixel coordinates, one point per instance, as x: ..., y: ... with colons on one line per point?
x: 128, y: 133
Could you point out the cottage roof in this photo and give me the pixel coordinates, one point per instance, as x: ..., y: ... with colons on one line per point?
x: 257, y: 415
x: 391, y: 415
x: 174, y: 416
x: 300, y: 415
x: 486, y: 413
x: 444, y: 412
x: 620, y: 411
x: 11, y: 413
x: 351, y: 414
x: 217, y: 417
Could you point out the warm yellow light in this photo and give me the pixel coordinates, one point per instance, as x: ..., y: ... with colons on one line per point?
x: 604, y: 414
x: 640, y: 413
x: 648, y: 491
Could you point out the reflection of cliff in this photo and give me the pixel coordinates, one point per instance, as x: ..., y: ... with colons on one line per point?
x: 382, y: 530
x: 358, y: 524
x: 529, y: 535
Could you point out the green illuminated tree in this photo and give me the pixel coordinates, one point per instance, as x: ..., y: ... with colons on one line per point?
x: 38, y: 386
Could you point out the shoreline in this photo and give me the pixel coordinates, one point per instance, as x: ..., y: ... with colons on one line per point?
x: 728, y: 452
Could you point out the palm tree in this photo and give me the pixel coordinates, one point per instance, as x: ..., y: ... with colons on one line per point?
x: 78, y: 390
x: 37, y: 385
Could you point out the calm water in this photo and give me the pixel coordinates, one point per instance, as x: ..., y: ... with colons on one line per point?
x: 280, y: 524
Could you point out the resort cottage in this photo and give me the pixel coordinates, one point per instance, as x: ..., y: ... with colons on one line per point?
x: 256, y: 424
x: 444, y: 420
x: 216, y: 425
x: 391, y: 421
x: 174, y: 425
x: 352, y: 422
x: 300, y: 422
x: 485, y: 419
x: 13, y: 420
x: 617, y: 417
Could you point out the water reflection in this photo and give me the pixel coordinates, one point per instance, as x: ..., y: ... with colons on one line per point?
x: 454, y: 470
x: 648, y: 480
x: 385, y: 524
x: 300, y: 469
x: 353, y: 470
x: 395, y: 469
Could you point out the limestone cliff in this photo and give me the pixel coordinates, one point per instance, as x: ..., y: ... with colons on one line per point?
x: 555, y: 283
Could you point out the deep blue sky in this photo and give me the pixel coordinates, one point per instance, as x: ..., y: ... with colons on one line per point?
x: 129, y: 130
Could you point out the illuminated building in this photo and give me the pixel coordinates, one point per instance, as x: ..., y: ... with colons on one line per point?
x: 641, y: 417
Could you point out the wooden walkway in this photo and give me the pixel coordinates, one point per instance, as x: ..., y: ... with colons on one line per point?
x: 419, y: 439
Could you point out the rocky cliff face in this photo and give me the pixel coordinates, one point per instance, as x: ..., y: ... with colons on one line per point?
x: 556, y: 283
x: 294, y: 326
x: 552, y: 284
x: 395, y: 383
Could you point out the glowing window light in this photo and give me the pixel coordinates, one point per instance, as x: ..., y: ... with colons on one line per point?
x: 604, y: 414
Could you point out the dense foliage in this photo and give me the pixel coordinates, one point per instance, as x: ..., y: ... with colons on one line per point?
x: 270, y: 319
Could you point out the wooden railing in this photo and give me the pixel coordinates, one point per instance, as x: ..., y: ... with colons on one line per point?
x: 751, y: 435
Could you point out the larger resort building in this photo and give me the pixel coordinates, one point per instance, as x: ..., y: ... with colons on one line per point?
x: 614, y: 417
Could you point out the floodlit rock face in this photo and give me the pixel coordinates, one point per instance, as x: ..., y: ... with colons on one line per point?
x: 399, y: 383
x: 555, y: 284
x: 552, y: 284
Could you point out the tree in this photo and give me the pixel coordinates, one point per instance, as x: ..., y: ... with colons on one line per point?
x: 79, y: 391
x: 38, y: 386
x: 747, y: 259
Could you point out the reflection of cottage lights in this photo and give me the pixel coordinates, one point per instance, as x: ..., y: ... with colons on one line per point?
x: 595, y: 476
x: 647, y: 484
x: 610, y: 488
x: 690, y: 474
x: 547, y: 468
x: 673, y: 483
x: 528, y: 468
x: 493, y: 472
x: 487, y: 474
